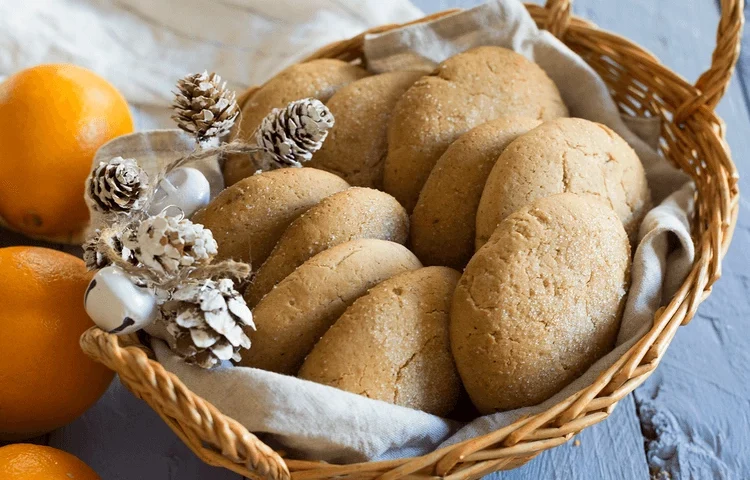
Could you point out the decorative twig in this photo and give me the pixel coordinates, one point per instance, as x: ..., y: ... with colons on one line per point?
x: 161, y: 279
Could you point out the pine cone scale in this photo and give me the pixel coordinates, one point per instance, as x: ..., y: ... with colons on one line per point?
x: 203, y: 338
x: 223, y: 351
x: 190, y: 318
x: 241, y: 310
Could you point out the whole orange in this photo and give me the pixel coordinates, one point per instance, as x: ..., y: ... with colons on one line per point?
x: 53, y: 118
x: 46, y: 381
x: 24, y: 461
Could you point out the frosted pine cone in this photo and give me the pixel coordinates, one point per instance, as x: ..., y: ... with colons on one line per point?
x: 291, y: 135
x: 119, y: 185
x: 95, y: 258
x: 204, y: 322
x: 167, y: 244
x: 204, y: 107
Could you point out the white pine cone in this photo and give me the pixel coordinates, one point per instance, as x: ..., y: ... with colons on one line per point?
x: 96, y: 260
x: 119, y: 185
x: 204, y: 107
x: 205, y: 322
x: 167, y: 244
x: 292, y: 134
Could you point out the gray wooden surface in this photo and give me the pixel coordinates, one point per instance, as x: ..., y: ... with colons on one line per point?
x: 689, y: 420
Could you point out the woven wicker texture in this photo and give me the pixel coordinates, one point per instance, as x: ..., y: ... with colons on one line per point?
x: 692, y: 138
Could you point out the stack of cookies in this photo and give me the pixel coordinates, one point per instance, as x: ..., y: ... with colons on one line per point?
x: 456, y: 232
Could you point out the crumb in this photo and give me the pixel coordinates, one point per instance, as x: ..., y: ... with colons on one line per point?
x: 577, y: 443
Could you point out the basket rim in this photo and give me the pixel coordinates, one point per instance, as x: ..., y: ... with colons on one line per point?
x: 207, y: 431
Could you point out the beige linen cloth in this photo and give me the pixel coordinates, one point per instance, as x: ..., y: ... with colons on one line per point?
x: 315, y: 421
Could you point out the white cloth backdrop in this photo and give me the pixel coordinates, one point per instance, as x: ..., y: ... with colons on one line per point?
x: 143, y: 46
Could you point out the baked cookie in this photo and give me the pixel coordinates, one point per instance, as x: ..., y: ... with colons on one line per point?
x: 392, y: 344
x: 565, y: 155
x: 293, y: 316
x: 464, y: 91
x: 348, y: 215
x: 443, y: 222
x: 540, y: 302
x: 248, y: 218
x: 356, y: 145
x: 317, y: 79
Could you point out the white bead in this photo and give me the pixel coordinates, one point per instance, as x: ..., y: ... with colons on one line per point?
x: 185, y: 188
x: 116, y: 304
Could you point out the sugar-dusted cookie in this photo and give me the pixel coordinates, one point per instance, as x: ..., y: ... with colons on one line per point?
x: 443, y: 222
x: 317, y: 79
x: 347, y: 215
x: 565, y: 155
x: 464, y: 91
x: 392, y: 344
x: 540, y: 302
x: 293, y: 316
x: 248, y: 218
x: 356, y: 145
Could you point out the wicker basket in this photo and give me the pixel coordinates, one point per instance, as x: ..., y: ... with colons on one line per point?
x: 692, y: 138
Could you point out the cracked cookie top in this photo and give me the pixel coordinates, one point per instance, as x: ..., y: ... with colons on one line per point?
x: 357, y: 144
x: 565, y: 155
x: 392, y: 344
x: 248, y: 218
x: 353, y: 213
x: 293, y: 316
x: 319, y: 78
x: 540, y: 302
x: 464, y: 91
x: 443, y: 222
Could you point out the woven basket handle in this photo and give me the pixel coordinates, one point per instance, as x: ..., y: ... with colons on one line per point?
x: 712, y: 84
x: 193, y: 419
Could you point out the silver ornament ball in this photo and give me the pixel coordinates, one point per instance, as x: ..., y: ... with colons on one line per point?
x: 185, y: 188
